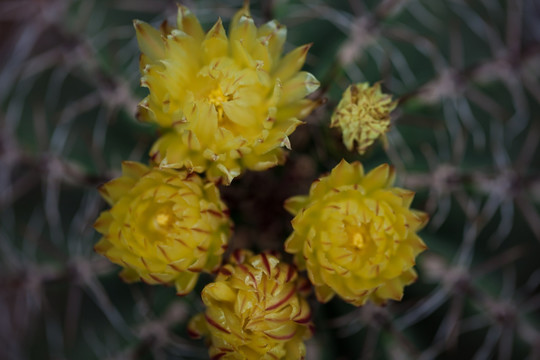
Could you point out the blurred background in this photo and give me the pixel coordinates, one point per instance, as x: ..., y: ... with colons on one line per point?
x: 465, y: 138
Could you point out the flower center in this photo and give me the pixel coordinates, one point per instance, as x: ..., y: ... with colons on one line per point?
x: 358, y: 236
x: 163, y: 218
x: 216, y: 97
x: 358, y: 240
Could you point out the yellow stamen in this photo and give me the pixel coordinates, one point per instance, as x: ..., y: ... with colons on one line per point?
x: 217, y: 98
x: 163, y: 219
x: 358, y: 240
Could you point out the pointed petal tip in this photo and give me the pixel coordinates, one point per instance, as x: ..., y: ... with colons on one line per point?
x: 102, y: 189
x: 101, y: 246
x: 307, y: 47
x: 343, y: 162
x: 182, y: 8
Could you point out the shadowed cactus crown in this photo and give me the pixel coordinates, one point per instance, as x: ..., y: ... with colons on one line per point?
x: 227, y: 102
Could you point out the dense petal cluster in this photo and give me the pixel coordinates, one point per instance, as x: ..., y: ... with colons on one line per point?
x: 226, y: 102
x: 356, y: 235
x: 363, y: 115
x: 164, y: 227
x: 255, y: 309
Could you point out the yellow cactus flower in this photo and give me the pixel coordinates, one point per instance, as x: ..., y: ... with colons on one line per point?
x: 255, y: 309
x: 164, y: 227
x: 226, y: 102
x: 356, y: 235
x: 363, y: 115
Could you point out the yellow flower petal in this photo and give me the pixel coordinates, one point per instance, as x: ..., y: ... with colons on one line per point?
x: 294, y: 204
x: 273, y: 35
x: 188, y: 23
x: 298, y: 87
x: 292, y: 63
x: 215, y: 44
x: 149, y: 40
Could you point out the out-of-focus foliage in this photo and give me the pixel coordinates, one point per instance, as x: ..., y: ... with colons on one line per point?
x: 464, y: 136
